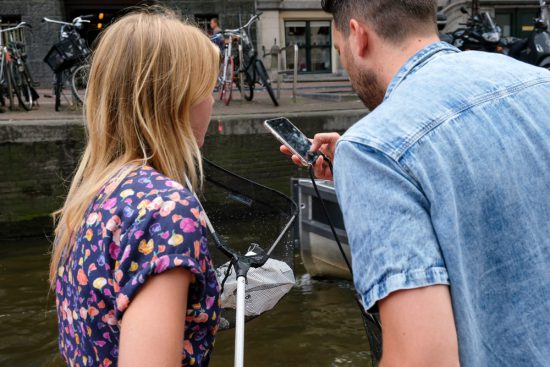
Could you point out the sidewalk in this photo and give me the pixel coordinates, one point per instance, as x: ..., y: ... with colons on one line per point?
x: 311, y: 96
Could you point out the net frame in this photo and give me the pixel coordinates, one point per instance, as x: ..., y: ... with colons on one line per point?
x: 247, y: 192
x: 223, y: 191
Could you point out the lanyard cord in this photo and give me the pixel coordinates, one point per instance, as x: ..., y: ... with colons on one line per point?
x: 370, y: 322
x: 325, y: 211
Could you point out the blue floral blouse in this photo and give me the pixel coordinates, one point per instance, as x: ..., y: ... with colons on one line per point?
x: 143, y: 226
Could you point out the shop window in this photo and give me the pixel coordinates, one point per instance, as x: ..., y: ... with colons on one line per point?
x: 313, y: 40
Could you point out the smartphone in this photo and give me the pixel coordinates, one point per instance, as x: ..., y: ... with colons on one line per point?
x: 290, y: 136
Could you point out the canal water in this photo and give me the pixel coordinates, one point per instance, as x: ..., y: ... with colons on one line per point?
x: 316, y: 324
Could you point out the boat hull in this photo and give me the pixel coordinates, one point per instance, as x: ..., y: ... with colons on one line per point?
x: 319, y: 250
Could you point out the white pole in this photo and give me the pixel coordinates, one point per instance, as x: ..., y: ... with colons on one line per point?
x: 239, y: 327
x: 295, y: 76
x: 278, y: 75
x: 241, y: 68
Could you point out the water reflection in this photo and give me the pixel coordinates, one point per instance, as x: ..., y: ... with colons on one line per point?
x: 316, y: 324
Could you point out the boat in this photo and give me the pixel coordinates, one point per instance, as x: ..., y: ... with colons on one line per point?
x: 319, y: 250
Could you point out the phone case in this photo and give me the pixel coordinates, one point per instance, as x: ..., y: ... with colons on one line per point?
x: 283, y: 141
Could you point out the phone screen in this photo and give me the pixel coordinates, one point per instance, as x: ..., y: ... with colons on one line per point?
x: 291, y: 136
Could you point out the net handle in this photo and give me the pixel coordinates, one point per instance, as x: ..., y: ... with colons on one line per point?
x: 219, y: 242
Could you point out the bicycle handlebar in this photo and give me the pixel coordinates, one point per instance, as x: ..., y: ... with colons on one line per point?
x: 250, y: 21
x: 82, y: 19
x: 253, y: 19
x: 75, y: 20
x: 48, y: 20
x: 20, y: 25
x: 231, y: 33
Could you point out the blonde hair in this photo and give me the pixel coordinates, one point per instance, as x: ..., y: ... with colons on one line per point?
x: 149, y: 68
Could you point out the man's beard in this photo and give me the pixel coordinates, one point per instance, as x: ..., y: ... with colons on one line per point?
x: 366, y: 84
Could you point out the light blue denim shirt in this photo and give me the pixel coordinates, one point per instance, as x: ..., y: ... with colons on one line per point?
x: 448, y: 182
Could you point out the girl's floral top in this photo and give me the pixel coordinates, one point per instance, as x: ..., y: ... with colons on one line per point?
x: 143, y: 226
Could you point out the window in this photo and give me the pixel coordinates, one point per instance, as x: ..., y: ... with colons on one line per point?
x: 203, y: 21
x: 8, y: 21
x: 313, y: 39
x: 515, y: 22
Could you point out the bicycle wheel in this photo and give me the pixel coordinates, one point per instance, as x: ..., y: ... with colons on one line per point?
x: 79, y: 82
x: 248, y: 85
x: 3, y: 80
x: 9, y: 83
x: 219, y: 83
x: 27, y: 99
x: 58, y: 88
x: 14, y: 90
x: 22, y: 86
x: 227, y: 88
x: 262, y: 74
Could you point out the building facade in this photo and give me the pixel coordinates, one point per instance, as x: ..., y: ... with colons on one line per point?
x: 515, y: 17
x: 43, y: 35
x: 286, y: 22
x: 283, y: 23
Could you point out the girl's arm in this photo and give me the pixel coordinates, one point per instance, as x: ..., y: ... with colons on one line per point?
x: 153, y: 325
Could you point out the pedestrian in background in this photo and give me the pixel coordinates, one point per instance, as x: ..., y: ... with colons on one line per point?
x: 215, y: 26
x: 444, y: 187
x: 133, y: 279
x: 217, y: 36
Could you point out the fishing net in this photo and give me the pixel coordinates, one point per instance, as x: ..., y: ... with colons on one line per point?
x: 250, y: 232
x: 252, y: 226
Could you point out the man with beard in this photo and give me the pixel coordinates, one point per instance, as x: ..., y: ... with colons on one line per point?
x: 444, y: 187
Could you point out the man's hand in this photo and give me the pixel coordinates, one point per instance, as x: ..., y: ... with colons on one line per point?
x: 323, y: 142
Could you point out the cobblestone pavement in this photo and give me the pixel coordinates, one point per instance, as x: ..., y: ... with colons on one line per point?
x: 311, y: 96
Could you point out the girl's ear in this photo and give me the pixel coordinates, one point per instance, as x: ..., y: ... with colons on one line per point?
x: 359, y: 37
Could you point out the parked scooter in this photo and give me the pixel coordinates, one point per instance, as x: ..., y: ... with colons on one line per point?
x: 535, y: 49
x: 480, y: 34
x: 441, y: 23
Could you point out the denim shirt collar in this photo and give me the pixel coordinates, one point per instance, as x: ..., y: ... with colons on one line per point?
x: 418, y: 60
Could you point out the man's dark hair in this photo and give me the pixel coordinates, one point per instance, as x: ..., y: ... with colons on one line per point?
x: 392, y: 20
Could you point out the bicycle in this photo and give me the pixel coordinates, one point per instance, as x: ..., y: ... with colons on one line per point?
x: 227, y: 67
x: 15, y: 77
x: 67, y: 59
x: 250, y: 69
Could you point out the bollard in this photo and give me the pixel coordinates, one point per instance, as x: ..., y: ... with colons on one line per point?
x: 241, y: 70
x: 295, y: 76
x: 274, y: 51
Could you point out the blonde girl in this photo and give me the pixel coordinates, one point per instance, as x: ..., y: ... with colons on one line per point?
x: 132, y: 275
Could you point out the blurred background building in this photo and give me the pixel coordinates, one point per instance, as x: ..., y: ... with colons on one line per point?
x: 283, y: 23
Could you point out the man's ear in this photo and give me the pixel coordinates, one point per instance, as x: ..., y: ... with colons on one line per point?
x: 358, y: 37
